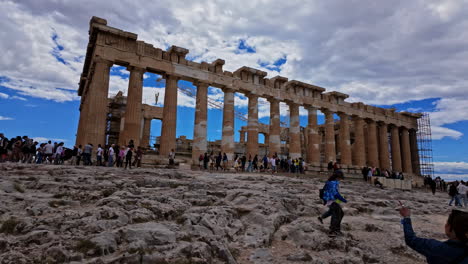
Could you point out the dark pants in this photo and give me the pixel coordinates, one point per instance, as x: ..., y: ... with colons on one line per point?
x: 128, y: 162
x: 336, y: 214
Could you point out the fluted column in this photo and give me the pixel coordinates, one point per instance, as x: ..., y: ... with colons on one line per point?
x: 294, y: 131
x: 252, y: 126
x: 95, y: 128
x: 145, y: 139
x: 330, y: 152
x: 227, y: 141
x: 396, y: 153
x: 405, y: 151
x: 313, y: 147
x: 383, y: 147
x: 274, y: 143
x: 168, y: 130
x: 81, y: 131
x: 133, y: 112
x: 359, y: 142
x: 372, y: 147
x: 345, y: 143
x: 414, y: 152
x: 199, y: 134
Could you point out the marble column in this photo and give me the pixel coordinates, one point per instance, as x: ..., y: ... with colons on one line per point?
x: 330, y: 152
x: 81, y: 132
x: 168, y: 130
x: 242, y: 136
x: 414, y: 152
x: 95, y: 128
x: 145, y: 139
x: 396, y: 153
x: 133, y: 112
x: 372, y: 147
x: 227, y: 141
x: 274, y: 143
x: 313, y: 147
x: 294, y: 131
x: 199, y: 134
x: 359, y: 142
x: 252, y: 126
x: 406, y: 151
x: 383, y: 147
x: 345, y: 142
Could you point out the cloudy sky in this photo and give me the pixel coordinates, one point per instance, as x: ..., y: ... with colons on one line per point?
x: 412, y: 55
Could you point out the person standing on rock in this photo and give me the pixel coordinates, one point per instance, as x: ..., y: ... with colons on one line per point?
x: 454, y: 250
x: 171, y: 157
x: 111, y: 154
x: 128, y: 158
x: 225, y: 162
x: 79, y: 155
x: 453, y: 192
x: 332, y: 199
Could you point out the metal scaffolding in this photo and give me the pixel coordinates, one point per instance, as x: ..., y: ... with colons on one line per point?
x: 424, y: 136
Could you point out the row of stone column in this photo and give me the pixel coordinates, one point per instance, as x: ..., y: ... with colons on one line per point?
x: 94, y: 114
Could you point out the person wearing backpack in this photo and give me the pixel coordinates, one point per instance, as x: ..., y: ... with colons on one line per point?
x: 332, y: 199
x: 452, y: 251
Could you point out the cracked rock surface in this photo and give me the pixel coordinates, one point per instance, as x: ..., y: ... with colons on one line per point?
x: 67, y: 214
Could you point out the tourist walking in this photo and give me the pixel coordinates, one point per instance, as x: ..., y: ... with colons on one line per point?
x: 79, y: 155
x: 111, y: 153
x: 88, y: 150
x: 128, y: 157
x: 454, y: 250
x: 225, y: 162
x: 453, y: 192
x: 171, y: 157
x: 99, y: 155
x: 332, y: 199
x: 462, y: 191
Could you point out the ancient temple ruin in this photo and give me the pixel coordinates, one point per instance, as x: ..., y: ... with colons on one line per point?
x: 364, y: 134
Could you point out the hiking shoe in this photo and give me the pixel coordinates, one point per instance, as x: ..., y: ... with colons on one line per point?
x: 332, y: 234
x: 320, y: 219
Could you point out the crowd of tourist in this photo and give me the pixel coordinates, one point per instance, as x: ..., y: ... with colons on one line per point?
x: 242, y: 163
x: 26, y: 150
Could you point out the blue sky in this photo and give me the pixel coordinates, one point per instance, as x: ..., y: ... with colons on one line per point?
x: 408, y: 55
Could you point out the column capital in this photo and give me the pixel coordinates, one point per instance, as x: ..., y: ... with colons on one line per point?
x: 370, y: 120
x: 311, y: 107
x: 201, y: 83
x: 171, y: 77
x: 136, y: 69
x: 98, y: 59
x: 228, y: 90
x: 251, y: 95
x: 380, y: 122
x: 326, y: 111
x: 272, y: 99
x: 342, y: 114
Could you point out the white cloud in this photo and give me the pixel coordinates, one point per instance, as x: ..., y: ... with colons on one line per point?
x: 6, y: 118
x: 451, y: 167
x: 451, y: 170
x: 452, y: 177
x: 386, y: 53
x: 439, y: 132
x: 45, y: 139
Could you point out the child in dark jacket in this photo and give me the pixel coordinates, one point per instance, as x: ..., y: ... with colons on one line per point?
x: 332, y: 198
x: 454, y: 250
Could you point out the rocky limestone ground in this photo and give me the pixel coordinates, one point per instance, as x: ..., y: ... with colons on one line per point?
x: 62, y: 214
